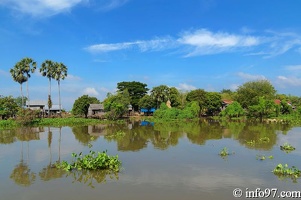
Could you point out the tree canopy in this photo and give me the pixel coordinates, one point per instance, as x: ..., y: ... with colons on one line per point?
x: 135, y: 89
x: 116, y: 104
x: 248, y: 94
x: 81, y: 105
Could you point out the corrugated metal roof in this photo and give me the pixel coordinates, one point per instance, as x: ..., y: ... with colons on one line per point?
x: 96, y: 107
x: 54, y: 107
x: 36, y: 103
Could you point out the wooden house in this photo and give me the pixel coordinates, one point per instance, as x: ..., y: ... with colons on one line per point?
x: 95, y: 110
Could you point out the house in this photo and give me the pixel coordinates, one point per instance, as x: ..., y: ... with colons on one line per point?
x: 43, y: 107
x: 36, y: 105
x: 225, y: 103
x: 95, y: 109
x: 54, y: 109
x: 278, y: 102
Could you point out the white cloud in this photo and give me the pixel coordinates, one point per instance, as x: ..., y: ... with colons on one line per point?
x: 90, y: 91
x: 71, y: 77
x: 205, y: 42
x: 186, y: 87
x: 143, y: 45
x: 202, y: 42
x: 112, y: 4
x: 288, y: 81
x: 250, y: 76
x: 41, y: 7
x: 293, y: 67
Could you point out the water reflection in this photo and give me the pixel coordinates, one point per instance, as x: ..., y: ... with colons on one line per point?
x: 91, y: 177
x: 22, y: 175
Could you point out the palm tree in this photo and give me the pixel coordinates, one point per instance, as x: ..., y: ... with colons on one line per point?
x: 60, y: 74
x: 160, y: 94
x: 29, y: 67
x: 48, y: 69
x: 18, y: 75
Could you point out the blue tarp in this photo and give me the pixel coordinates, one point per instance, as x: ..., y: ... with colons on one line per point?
x: 147, y: 110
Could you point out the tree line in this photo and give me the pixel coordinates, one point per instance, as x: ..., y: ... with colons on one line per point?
x: 21, y: 72
x: 252, y: 99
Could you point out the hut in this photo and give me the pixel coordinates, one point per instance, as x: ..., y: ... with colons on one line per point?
x: 95, y: 110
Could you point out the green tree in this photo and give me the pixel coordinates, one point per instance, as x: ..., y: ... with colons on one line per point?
x: 285, y: 108
x: 146, y: 102
x: 135, y: 89
x: 48, y: 70
x: 81, y: 105
x: 198, y: 95
x: 175, y: 97
x: 29, y: 66
x: 8, y: 107
x: 248, y: 94
x: 18, y: 100
x: 160, y: 94
x: 117, y: 105
x: 233, y: 110
x: 213, y: 103
x: 60, y: 74
x: 18, y: 75
x: 264, y: 108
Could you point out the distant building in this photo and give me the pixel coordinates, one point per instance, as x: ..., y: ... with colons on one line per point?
x: 36, y: 105
x: 96, y: 109
x: 42, y: 106
x: 225, y: 103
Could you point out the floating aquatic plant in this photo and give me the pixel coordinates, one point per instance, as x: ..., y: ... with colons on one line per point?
x: 287, y: 147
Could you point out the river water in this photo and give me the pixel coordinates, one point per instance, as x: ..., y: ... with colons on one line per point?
x: 159, y: 161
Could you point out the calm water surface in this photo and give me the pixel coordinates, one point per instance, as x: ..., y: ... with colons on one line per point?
x: 174, y: 161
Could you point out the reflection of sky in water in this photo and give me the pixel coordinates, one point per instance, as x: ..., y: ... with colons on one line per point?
x: 185, y: 170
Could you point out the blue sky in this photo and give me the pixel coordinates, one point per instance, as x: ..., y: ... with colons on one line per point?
x: 207, y: 44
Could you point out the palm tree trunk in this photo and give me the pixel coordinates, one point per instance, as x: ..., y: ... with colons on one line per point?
x: 58, y: 82
x: 22, y: 96
x: 49, y: 96
x: 27, y: 92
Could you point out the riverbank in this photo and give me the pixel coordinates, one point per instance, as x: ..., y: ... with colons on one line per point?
x: 56, y: 122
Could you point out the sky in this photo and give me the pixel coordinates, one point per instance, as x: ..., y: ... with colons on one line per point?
x: 196, y: 44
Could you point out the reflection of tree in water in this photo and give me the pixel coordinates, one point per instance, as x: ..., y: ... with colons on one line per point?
x: 92, y: 177
x: 199, y: 133
x: 7, y: 136
x: 21, y: 173
x: 28, y: 133
x: 166, y: 134
x: 50, y: 171
x: 263, y: 135
x: 82, y: 135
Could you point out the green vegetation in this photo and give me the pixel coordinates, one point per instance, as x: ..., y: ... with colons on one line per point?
x: 117, y: 135
x: 136, y: 91
x: 117, y: 105
x: 81, y: 105
x: 191, y: 111
x: 249, y: 93
x: 92, y: 161
x: 284, y: 171
x: 287, y: 147
x: 263, y: 157
x: 224, y: 152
